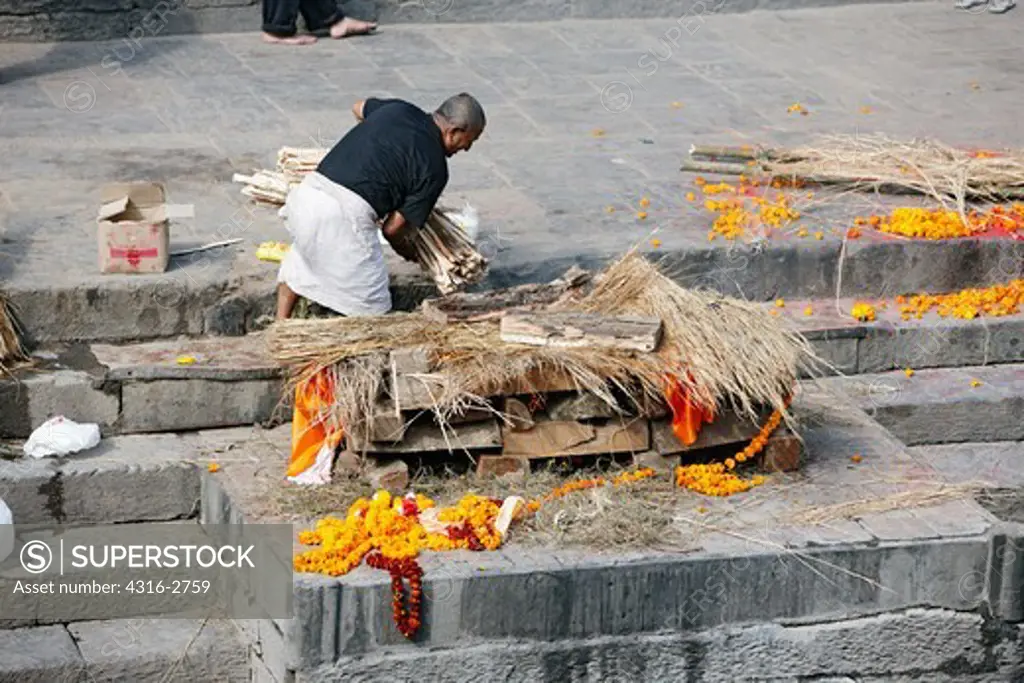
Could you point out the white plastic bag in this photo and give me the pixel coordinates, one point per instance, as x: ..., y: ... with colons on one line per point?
x: 469, y: 220
x: 60, y: 436
x: 6, y: 531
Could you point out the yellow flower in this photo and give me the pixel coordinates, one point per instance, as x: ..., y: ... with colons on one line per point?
x: 802, y: 232
x: 808, y: 311
x: 598, y: 132
x: 645, y: 202
x: 975, y: 383
x: 865, y: 110
x: 642, y: 215
x: 780, y: 303
x: 908, y: 372
x: 690, y: 197
x: 819, y: 235
x: 655, y: 243
x: 610, y: 209
x: 186, y: 360
x: 677, y: 105
x: 863, y: 312
x: 213, y: 467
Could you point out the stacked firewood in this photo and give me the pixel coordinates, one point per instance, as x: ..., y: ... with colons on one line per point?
x: 443, y: 249
x: 445, y: 252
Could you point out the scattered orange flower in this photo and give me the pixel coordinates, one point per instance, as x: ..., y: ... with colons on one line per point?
x: 908, y: 372
x: 645, y: 202
x: 808, y: 311
x: 863, y: 312
x: 655, y: 243
x: 975, y: 383
x: 213, y: 467
x: 856, y: 457
x: 641, y: 215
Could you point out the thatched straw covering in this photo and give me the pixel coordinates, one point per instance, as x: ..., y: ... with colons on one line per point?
x: 11, y: 349
x: 724, y: 351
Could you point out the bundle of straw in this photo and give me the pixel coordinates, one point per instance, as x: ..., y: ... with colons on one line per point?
x: 11, y: 349
x: 876, y: 162
x: 723, y: 350
x: 443, y: 250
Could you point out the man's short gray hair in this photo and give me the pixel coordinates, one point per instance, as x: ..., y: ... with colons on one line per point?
x: 463, y: 111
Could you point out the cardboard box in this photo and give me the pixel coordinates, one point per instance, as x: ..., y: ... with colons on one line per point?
x: 134, y: 228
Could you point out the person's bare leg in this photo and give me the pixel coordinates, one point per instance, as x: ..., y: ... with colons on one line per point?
x: 286, y: 300
x: 290, y: 40
x: 352, y: 27
x: 1001, y: 6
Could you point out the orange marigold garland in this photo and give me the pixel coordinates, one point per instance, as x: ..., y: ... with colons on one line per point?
x: 717, y: 479
x: 407, y: 620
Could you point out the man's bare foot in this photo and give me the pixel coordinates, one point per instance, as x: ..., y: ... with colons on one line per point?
x: 352, y: 27
x: 290, y: 40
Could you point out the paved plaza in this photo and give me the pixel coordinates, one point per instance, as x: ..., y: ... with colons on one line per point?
x: 583, y: 115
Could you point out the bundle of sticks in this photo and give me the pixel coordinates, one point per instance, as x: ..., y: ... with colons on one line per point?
x: 876, y: 163
x: 443, y: 249
x: 445, y: 253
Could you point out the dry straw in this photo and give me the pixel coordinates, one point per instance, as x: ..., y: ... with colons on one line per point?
x: 726, y: 352
x: 950, y: 175
x: 11, y: 349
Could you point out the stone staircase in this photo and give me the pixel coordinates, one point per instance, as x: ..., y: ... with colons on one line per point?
x: 523, y: 615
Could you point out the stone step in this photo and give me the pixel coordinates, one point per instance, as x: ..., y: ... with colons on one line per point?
x: 550, y: 603
x: 143, y: 650
x: 38, y: 22
x: 125, y: 479
x: 137, y: 308
x: 944, y: 405
x: 141, y: 387
x: 890, y: 343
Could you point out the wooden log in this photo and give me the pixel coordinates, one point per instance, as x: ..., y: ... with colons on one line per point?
x: 518, y: 414
x: 714, y: 167
x: 714, y: 152
x: 557, y: 439
x: 472, y: 307
x: 727, y: 428
x: 783, y: 453
x: 425, y: 437
x: 574, y: 330
x: 413, y: 385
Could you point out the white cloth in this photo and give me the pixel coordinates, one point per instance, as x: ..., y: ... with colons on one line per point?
x: 336, y: 258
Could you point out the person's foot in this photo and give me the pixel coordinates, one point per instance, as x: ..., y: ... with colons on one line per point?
x: 1000, y: 6
x: 969, y: 4
x: 352, y: 27
x: 289, y: 40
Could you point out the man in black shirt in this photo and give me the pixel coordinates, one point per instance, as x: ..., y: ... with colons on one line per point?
x: 391, y: 167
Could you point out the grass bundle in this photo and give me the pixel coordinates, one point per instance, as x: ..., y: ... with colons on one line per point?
x: 723, y: 350
x: 11, y: 349
x: 949, y: 175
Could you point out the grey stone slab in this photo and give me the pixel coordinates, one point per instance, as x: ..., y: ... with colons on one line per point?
x: 39, y: 655
x: 130, y: 479
x: 173, y: 405
x: 30, y: 488
x: 869, y: 645
x: 143, y: 648
x: 31, y: 401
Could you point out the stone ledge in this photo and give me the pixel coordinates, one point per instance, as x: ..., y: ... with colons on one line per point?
x: 921, y: 644
x: 106, y: 484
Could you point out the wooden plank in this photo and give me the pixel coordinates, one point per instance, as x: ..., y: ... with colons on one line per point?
x: 413, y: 386
x: 426, y: 437
x: 727, y: 428
x: 540, y: 381
x: 518, y: 414
x: 556, y: 439
x: 574, y: 330
x: 474, y: 307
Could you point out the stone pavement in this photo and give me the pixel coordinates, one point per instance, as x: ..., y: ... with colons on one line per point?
x: 190, y: 111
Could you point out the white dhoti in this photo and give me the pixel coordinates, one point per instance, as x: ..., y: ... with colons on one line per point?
x: 336, y: 258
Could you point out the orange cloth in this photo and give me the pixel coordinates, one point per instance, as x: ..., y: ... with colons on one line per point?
x: 687, y: 418
x: 310, y: 430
